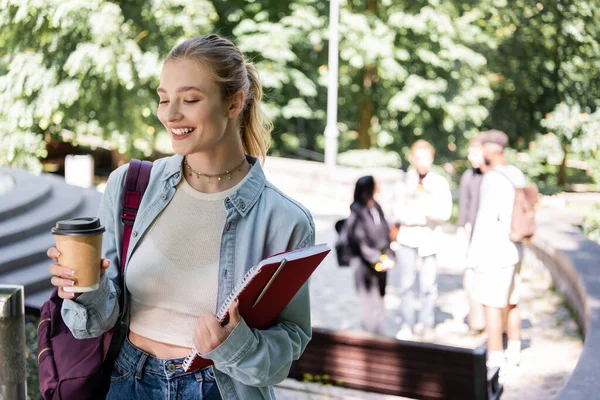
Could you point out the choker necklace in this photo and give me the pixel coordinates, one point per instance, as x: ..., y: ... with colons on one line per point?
x: 218, y: 176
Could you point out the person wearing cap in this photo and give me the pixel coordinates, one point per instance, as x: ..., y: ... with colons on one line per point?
x: 493, y: 256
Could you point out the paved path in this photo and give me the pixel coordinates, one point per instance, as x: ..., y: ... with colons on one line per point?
x: 552, y: 343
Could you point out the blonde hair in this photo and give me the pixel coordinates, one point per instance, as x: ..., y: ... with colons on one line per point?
x: 225, y: 62
x: 422, y: 144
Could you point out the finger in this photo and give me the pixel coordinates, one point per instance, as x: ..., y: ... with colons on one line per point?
x: 234, y: 315
x: 212, y: 324
x: 60, y: 271
x: 53, y: 253
x: 66, y: 295
x: 61, y: 282
x: 104, y: 264
x: 202, y: 337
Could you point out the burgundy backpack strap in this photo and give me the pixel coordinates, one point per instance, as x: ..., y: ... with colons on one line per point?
x: 138, y: 177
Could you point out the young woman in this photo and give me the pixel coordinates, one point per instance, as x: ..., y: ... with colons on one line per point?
x: 207, y: 216
x: 369, y: 232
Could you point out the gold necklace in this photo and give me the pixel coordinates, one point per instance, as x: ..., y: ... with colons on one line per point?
x: 218, y: 176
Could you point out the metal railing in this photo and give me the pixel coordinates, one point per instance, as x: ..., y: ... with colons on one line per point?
x: 13, y: 374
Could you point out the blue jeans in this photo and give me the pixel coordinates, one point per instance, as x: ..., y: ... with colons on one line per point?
x: 406, y: 265
x: 138, y: 375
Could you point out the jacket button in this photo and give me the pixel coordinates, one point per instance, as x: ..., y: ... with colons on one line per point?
x: 164, y: 197
x: 242, y: 205
x: 134, y: 233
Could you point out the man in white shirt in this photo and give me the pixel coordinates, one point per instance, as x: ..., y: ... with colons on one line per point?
x: 422, y: 203
x: 494, y: 257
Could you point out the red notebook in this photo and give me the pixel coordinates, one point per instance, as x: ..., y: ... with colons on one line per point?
x: 267, y: 288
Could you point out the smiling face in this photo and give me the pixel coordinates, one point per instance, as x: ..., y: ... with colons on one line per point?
x: 192, y: 108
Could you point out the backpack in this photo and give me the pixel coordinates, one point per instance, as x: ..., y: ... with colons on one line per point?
x: 522, y: 224
x: 344, y: 245
x: 71, y: 368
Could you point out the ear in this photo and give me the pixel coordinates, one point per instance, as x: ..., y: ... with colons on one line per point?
x: 236, y: 105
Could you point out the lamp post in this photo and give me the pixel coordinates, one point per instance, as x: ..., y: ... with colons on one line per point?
x: 331, y: 130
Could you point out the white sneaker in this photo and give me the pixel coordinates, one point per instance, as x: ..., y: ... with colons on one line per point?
x: 429, y: 334
x: 419, y: 329
x: 405, y: 332
x: 513, y: 358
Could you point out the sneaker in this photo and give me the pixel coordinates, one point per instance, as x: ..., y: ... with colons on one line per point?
x: 428, y: 334
x: 513, y: 358
x: 405, y: 332
x: 419, y: 329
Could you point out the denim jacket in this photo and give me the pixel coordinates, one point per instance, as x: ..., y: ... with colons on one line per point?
x: 261, y: 221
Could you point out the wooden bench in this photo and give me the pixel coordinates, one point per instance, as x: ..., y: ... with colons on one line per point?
x: 395, y: 367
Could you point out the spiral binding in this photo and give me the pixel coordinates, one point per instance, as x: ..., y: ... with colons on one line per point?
x: 187, y: 362
x: 189, y: 358
x: 236, y: 292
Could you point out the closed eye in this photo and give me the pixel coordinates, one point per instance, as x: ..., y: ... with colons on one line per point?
x: 191, y: 101
x: 163, y: 102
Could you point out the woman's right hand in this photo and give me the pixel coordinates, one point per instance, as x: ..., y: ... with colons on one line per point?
x: 63, y: 276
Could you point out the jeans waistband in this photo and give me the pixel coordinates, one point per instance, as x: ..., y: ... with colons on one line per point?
x: 140, y: 360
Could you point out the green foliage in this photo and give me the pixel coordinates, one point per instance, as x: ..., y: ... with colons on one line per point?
x: 430, y: 69
x: 429, y: 83
x: 33, y: 383
x: 371, y: 158
x: 22, y: 150
x: 543, y: 54
x: 591, y: 223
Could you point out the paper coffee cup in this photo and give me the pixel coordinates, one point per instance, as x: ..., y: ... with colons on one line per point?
x: 79, y: 242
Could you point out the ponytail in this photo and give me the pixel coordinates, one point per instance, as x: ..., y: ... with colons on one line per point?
x: 256, y: 128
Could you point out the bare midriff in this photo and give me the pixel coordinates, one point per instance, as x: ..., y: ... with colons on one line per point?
x: 157, y: 349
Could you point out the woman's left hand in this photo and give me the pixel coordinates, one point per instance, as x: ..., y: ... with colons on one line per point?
x: 209, y: 334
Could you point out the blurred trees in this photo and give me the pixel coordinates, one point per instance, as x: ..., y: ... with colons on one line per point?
x: 431, y: 69
x: 546, y: 59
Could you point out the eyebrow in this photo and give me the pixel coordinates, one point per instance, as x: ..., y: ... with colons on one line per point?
x: 182, y: 89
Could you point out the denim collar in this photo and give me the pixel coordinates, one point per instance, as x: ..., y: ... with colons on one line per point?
x: 243, y: 199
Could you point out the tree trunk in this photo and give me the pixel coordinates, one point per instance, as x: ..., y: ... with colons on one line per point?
x: 562, y: 170
x: 366, y: 108
x: 367, y: 105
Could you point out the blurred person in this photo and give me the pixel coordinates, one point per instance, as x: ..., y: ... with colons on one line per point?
x: 470, y: 184
x: 208, y: 216
x: 422, y: 203
x: 495, y: 258
x: 372, y: 256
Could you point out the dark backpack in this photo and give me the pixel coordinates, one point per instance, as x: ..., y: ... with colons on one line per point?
x: 344, y: 249
x: 522, y: 224
x: 71, y: 368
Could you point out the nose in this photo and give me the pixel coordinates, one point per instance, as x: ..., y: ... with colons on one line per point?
x: 173, y: 113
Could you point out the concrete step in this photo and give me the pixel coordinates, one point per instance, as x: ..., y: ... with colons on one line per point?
x: 34, y: 277
x: 61, y: 202
x: 29, y: 191
x: 31, y: 249
x: 25, y: 262
x: 23, y: 253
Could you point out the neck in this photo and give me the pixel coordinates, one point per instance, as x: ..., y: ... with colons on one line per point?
x: 498, y: 160
x: 215, y: 162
